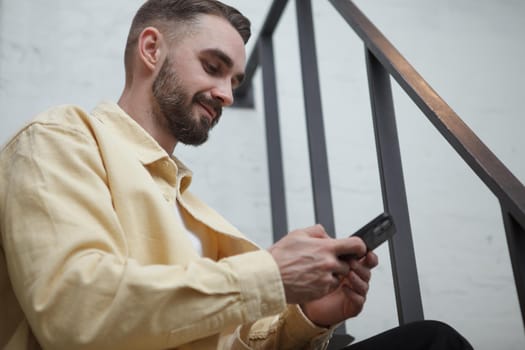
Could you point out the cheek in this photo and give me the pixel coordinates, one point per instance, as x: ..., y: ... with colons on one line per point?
x: 195, y: 79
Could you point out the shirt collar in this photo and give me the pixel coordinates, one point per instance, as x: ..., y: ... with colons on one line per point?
x: 137, y: 139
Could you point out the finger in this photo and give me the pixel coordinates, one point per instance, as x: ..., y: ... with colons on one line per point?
x: 355, y: 299
x: 363, y: 271
x: 352, y: 246
x: 371, y: 260
x: 340, y: 267
x: 357, y: 284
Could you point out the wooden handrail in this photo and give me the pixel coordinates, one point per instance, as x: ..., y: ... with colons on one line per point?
x: 496, y: 176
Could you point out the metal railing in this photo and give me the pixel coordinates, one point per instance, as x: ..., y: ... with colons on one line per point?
x: 383, y: 61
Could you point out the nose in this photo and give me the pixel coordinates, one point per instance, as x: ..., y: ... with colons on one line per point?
x: 223, y: 93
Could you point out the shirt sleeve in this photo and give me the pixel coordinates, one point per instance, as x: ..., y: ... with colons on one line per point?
x: 290, y: 330
x: 70, y: 266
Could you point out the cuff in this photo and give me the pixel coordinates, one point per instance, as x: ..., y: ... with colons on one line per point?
x: 260, y: 283
x: 298, y: 323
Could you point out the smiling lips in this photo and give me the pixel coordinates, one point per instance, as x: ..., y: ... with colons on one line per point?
x: 211, y: 111
x: 212, y: 107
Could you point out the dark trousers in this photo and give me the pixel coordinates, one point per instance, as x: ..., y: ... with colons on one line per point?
x: 421, y: 335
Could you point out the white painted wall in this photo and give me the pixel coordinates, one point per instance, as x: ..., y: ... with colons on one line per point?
x: 470, y: 51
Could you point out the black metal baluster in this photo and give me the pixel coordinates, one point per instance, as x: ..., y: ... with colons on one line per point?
x: 516, y: 243
x: 408, y: 296
x: 316, y: 135
x: 273, y: 139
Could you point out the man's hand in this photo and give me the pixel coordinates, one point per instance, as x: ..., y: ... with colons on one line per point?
x: 309, y: 264
x: 348, y: 299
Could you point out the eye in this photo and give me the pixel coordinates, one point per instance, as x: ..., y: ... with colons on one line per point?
x: 210, y: 68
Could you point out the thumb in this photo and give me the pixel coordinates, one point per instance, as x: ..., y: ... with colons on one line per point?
x: 350, y: 246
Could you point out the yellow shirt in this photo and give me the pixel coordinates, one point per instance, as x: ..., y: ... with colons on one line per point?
x: 92, y: 256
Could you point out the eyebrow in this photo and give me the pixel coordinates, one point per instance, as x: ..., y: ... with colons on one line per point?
x: 227, y: 61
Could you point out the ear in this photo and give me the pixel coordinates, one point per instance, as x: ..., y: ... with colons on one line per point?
x: 150, y: 47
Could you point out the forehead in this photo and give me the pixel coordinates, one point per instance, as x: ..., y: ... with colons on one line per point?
x: 212, y: 33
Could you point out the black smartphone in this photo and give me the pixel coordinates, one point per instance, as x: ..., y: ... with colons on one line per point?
x: 377, y: 231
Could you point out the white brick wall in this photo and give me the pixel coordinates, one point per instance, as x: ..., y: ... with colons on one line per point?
x: 471, y: 52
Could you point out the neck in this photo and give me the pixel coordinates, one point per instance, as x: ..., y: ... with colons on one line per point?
x: 137, y: 104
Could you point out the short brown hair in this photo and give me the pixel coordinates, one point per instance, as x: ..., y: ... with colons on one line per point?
x: 158, y: 12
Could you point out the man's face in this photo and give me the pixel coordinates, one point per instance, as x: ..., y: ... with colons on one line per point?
x: 197, y: 78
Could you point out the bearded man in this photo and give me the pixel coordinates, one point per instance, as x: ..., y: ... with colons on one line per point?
x: 104, y: 246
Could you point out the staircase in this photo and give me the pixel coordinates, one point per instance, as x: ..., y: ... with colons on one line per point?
x: 383, y: 62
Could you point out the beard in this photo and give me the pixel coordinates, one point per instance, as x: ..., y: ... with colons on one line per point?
x: 173, y: 108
